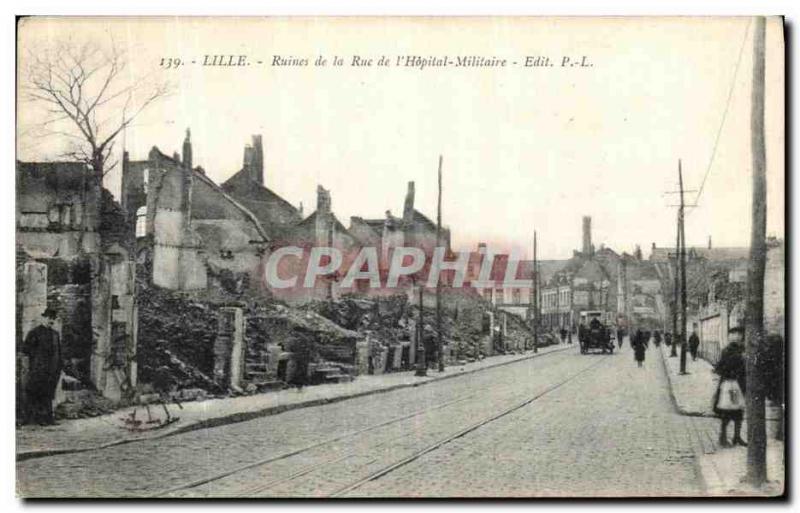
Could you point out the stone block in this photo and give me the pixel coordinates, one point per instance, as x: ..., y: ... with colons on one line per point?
x: 362, y: 357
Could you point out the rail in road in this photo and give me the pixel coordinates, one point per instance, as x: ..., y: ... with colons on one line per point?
x: 307, y: 471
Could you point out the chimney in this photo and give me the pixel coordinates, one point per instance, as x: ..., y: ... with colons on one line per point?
x: 257, y: 163
x: 587, y: 236
x: 323, y: 201
x: 709, y: 242
x: 247, y: 161
x: 300, y: 210
x: 187, y: 150
x: 324, y: 221
x: 408, y: 206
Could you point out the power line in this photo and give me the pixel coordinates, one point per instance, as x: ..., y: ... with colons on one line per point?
x: 725, y: 112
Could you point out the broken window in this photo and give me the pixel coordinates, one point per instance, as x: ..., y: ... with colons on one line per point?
x: 141, y: 221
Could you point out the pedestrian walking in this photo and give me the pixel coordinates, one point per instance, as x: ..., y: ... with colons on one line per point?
x: 620, y: 337
x: 694, y: 343
x: 639, y: 347
x: 657, y: 338
x: 729, y: 396
x: 42, y: 346
x: 668, y: 338
x: 563, y: 334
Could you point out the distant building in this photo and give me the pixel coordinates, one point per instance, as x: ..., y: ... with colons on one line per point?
x: 586, y: 281
x: 658, y: 254
x: 774, y: 288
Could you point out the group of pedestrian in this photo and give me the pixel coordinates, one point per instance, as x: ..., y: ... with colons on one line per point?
x: 728, y: 398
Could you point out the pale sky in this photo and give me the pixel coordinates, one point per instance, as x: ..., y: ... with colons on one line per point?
x: 524, y: 148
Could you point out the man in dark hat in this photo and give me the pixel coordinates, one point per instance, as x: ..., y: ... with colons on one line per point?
x: 42, y: 346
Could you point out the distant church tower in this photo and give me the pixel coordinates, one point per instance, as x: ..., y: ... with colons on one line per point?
x: 587, y: 236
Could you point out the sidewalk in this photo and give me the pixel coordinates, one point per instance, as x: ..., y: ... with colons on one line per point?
x: 722, y: 469
x: 81, y: 435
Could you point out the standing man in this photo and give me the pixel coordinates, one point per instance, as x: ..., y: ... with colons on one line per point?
x: 639, y: 347
x: 42, y: 346
x: 694, y: 343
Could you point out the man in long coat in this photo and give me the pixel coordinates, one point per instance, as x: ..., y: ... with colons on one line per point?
x: 42, y: 346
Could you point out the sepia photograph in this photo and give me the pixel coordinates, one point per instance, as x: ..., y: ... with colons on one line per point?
x: 400, y: 257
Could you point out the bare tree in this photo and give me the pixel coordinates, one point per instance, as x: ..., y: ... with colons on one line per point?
x: 89, y: 98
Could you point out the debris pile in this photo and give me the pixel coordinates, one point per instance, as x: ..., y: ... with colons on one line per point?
x: 176, y: 338
x: 84, y: 403
x: 294, y: 329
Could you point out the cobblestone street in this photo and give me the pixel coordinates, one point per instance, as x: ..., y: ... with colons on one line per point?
x: 559, y: 424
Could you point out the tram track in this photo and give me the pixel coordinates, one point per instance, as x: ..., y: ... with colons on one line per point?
x: 326, y: 464
x: 458, y: 434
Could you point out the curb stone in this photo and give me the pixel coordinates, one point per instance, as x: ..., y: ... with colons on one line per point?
x: 234, y: 418
x: 678, y: 407
x: 707, y: 479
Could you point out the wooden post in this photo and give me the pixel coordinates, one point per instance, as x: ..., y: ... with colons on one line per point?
x: 439, y: 343
x: 682, y: 256
x: 422, y: 363
x: 675, y: 301
x: 754, y: 327
x: 535, y: 298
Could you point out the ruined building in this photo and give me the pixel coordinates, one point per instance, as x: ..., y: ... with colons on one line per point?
x: 80, y: 265
x: 247, y: 186
x: 414, y: 229
x: 186, y: 226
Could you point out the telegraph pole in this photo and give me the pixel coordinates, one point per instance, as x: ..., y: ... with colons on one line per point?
x: 682, y: 257
x: 535, y: 298
x: 673, y: 353
x: 754, y: 327
x: 439, y: 344
x: 422, y: 363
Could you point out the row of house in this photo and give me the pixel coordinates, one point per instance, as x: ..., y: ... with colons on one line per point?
x: 716, y: 291
x: 186, y: 231
x: 185, y: 223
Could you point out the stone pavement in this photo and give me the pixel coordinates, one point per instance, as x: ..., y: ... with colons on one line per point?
x: 278, y: 447
x: 611, y: 432
x: 722, y: 469
x: 79, y: 435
